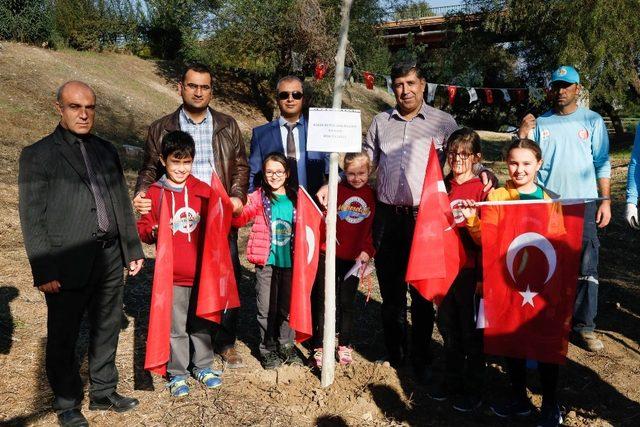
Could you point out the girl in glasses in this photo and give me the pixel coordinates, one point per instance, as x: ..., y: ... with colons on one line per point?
x: 272, y: 209
x: 464, y: 360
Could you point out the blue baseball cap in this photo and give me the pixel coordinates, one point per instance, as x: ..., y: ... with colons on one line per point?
x: 565, y: 73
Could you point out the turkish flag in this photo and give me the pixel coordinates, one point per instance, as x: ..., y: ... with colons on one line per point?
x: 437, y: 254
x: 217, y: 288
x: 306, y: 250
x: 157, y: 354
x: 488, y: 93
x: 452, y: 93
x: 320, y: 70
x: 531, y: 258
x: 368, y: 79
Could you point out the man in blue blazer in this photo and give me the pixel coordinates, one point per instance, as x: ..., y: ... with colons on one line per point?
x: 288, y: 135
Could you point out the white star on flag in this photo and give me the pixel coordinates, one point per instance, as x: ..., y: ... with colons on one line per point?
x: 528, y: 296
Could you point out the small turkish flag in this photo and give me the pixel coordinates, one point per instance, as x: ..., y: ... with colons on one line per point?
x: 488, y: 93
x: 320, y: 70
x: 531, y: 258
x: 157, y: 353
x: 521, y: 95
x: 368, y: 79
x: 436, y: 253
x: 306, y: 251
x: 452, y: 93
x: 217, y: 288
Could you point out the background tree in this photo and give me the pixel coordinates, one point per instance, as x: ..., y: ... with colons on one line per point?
x: 600, y: 38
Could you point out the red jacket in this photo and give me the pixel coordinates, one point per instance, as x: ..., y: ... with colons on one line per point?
x: 473, y: 190
x: 356, y: 208
x: 188, y: 211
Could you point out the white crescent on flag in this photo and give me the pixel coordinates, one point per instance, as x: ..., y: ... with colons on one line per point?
x: 536, y: 240
x: 311, y: 243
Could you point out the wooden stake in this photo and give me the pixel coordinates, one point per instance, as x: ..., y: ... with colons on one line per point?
x: 328, y: 343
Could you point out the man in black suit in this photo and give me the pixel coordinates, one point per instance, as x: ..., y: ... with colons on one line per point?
x: 79, y: 233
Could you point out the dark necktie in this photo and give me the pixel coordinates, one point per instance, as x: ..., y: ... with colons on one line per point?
x: 101, y: 209
x: 291, y: 153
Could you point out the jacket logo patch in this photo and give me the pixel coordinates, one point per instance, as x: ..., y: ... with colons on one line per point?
x: 583, y: 134
x: 280, y: 232
x: 354, y: 210
x: 185, y: 220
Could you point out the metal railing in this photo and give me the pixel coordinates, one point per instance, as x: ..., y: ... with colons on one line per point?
x: 394, y: 14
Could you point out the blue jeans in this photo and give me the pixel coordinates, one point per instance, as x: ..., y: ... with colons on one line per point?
x: 586, y: 305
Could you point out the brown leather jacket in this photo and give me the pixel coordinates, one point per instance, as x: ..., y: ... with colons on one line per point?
x: 228, y: 147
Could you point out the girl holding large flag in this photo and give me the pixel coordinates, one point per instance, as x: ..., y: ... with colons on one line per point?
x: 464, y: 359
x: 524, y: 159
x: 272, y: 210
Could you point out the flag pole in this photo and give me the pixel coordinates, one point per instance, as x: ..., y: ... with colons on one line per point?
x: 329, y: 332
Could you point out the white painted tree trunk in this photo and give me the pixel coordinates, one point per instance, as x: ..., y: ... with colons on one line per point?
x: 329, y: 341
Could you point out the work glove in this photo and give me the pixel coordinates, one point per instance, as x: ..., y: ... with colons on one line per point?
x: 631, y: 215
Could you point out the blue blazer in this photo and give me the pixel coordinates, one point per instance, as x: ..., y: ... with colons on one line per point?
x: 266, y: 139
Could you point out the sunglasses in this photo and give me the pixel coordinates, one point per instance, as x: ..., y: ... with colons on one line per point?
x: 285, y: 95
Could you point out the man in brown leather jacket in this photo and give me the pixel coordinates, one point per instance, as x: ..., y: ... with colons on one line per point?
x: 219, y: 148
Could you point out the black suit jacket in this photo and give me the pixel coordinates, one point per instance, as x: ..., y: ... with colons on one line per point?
x: 57, y: 209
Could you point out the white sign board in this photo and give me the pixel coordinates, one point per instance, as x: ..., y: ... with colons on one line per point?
x: 334, y: 131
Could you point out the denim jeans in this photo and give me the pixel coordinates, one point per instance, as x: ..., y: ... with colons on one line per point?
x: 586, y: 305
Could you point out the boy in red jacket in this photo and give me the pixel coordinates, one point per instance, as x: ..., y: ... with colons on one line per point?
x: 188, y: 199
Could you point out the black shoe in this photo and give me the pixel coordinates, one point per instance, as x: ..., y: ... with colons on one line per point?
x: 289, y: 355
x: 72, y: 418
x: 467, y: 403
x: 113, y: 402
x: 437, y: 392
x: 515, y: 408
x: 270, y: 360
x: 550, y: 417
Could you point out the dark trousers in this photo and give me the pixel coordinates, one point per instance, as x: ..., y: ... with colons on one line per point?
x: 393, y: 232
x: 345, y: 302
x: 464, y: 358
x: 517, y: 369
x: 586, y: 305
x: 226, y: 332
x: 273, y: 300
x: 101, y: 297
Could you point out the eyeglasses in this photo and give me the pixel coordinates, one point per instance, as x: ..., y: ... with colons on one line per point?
x: 297, y: 95
x: 277, y: 174
x: 462, y: 155
x: 194, y: 87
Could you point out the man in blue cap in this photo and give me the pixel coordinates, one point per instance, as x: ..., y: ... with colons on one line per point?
x: 575, y: 150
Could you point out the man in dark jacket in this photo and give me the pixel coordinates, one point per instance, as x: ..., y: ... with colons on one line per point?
x: 79, y: 233
x: 219, y: 148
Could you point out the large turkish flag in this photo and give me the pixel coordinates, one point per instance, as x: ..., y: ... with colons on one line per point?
x: 157, y: 354
x: 436, y: 253
x: 531, y: 258
x: 217, y: 287
x: 306, y: 251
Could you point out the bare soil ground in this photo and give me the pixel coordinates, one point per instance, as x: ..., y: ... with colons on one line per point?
x: 596, y: 389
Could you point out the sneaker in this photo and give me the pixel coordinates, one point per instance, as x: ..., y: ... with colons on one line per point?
x: 344, y: 355
x: 270, y: 360
x: 289, y: 355
x: 178, y: 386
x: 467, y: 403
x: 208, y: 377
x: 588, y: 341
x: 550, y: 417
x: 515, y: 408
x: 437, y: 392
x: 316, y: 359
x: 232, y: 359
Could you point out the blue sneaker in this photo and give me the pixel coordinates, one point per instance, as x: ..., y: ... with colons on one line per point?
x: 208, y: 377
x: 178, y: 386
